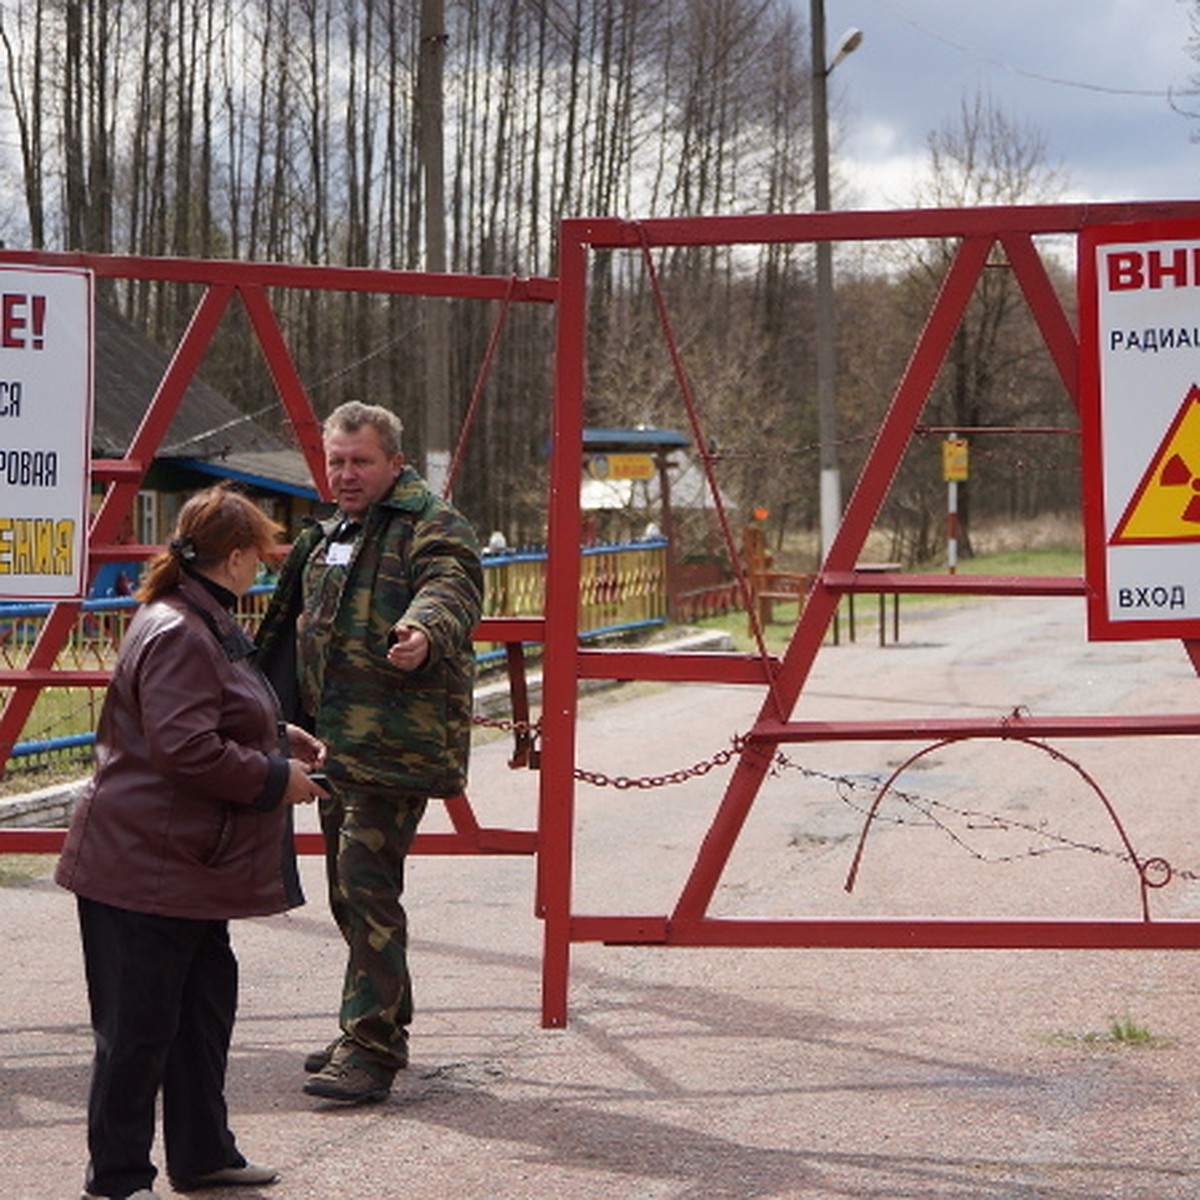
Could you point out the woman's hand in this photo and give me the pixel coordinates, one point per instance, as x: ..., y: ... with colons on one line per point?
x: 302, y: 745
x: 301, y: 787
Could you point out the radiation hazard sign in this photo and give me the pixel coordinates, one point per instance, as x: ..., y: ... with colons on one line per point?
x: 1140, y: 405
x: 1166, y: 505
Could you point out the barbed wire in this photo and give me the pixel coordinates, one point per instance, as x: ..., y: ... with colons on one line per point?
x: 923, y: 811
x: 929, y: 811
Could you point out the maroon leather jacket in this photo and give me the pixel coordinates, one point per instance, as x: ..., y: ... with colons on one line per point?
x: 182, y: 817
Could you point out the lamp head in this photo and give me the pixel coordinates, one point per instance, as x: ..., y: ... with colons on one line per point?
x: 850, y: 41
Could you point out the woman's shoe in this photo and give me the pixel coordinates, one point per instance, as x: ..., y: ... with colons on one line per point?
x: 143, y: 1194
x: 244, y: 1176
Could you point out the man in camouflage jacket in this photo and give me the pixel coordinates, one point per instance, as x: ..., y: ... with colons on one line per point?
x: 368, y: 640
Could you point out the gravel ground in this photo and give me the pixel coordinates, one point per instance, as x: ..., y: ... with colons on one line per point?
x: 738, y: 1073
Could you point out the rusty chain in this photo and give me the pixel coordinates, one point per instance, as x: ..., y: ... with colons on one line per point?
x: 623, y: 782
x: 509, y: 725
x: 533, y: 731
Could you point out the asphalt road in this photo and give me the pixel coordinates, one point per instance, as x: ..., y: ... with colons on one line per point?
x: 703, y: 1074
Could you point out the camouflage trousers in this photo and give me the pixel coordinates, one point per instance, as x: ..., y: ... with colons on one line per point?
x: 368, y: 833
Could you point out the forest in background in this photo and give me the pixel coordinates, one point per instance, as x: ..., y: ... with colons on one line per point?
x: 290, y: 131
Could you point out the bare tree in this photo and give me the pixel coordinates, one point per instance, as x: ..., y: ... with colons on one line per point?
x: 21, y: 33
x: 286, y: 130
x: 996, y: 372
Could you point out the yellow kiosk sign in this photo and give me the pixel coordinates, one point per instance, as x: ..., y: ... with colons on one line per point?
x: 621, y: 466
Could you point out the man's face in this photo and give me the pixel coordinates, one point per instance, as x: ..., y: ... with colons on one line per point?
x: 359, y: 471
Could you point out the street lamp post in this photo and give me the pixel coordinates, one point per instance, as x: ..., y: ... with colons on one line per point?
x: 830, y: 479
x: 431, y: 151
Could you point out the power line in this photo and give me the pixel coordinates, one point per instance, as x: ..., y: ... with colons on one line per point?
x: 310, y: 389
x: 1058, y: 80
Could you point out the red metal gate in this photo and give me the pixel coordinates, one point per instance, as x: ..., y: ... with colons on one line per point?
x: 688, y: 923
x: 220, y: 282
x: 566, y: 662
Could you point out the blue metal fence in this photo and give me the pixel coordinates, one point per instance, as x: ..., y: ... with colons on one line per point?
x: 623, y: 593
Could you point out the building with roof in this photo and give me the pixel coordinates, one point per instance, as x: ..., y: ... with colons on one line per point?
x: 209, y: 439
x: 642, y: 475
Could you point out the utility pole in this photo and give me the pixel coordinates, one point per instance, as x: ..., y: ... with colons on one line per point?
x: 431, y: 109
x: 826, y: 330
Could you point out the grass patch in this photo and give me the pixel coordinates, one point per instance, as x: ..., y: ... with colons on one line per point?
x: 18, y: 779
x: 1122, y: 1033
x: 736, y: 624
x: 1037, y: 560
x: 1033, y: 560
x: 1127, y: 1032
x: 16, y: 869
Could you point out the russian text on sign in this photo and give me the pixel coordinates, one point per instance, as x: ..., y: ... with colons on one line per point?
x: 29, y: 468
x: 36, y: 546
x: 1152, y: 597
x: 1133, y: 270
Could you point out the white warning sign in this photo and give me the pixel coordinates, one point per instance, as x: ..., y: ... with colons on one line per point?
x: 45, y: 431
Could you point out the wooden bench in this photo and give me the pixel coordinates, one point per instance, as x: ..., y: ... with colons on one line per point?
x: 768, y: 586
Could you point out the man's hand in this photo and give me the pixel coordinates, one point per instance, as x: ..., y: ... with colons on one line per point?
x: 408, y: 648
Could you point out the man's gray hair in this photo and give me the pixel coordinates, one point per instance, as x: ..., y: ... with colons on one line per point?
x: 354, y: 415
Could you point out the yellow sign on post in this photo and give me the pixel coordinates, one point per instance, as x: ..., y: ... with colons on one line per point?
x: 955, y: 460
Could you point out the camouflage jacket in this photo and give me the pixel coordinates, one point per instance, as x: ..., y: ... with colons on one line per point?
x: 409, y: 730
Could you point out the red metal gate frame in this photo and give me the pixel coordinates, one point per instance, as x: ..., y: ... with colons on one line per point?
x: 566, y: 662
x: 221, y: 281
x: 976, y: 231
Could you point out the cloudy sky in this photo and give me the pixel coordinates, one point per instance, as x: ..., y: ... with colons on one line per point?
x: 1094, y: 78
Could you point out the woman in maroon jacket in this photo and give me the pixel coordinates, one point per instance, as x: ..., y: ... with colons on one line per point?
x: 186, y: 823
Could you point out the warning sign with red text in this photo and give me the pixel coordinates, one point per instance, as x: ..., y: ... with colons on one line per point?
x: 1140, y: 405
x: 45, y: 431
